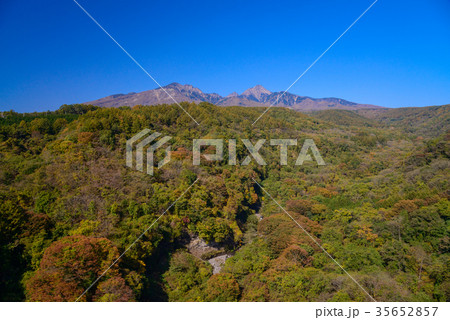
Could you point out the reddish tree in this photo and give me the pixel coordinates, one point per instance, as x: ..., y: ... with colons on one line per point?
x: 222, y: 287
x: 71, y: 265
x: 114, y: 289
x: 291, y: 257
x: 281, y: 232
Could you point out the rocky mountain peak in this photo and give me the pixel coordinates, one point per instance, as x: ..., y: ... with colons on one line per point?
x: 183, y: 87
x: 232, y: 95
x: 257, y: 92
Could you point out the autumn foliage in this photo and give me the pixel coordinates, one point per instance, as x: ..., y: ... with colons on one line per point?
x: 69, y: 206
x: 71, y: 265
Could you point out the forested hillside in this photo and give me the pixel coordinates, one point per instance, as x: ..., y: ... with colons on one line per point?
x: 429, y: 121
x: 69, y: 207
x: 346, y: 118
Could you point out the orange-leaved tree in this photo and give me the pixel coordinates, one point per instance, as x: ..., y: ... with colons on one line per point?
x: 70, y: 265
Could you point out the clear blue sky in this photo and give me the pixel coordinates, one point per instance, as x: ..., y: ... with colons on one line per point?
x: 397, y: 55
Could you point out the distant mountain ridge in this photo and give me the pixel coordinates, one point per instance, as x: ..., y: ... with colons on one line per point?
x: 252, y: 97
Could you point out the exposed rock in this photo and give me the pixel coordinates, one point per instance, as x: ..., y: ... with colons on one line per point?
x: 232, y: 95
x: 211, y: 252
x: 199, y: 248
x: 218, y: 262
x: 256, y: 93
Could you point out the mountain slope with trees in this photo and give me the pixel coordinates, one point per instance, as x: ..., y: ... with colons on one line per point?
x: 70, y: 206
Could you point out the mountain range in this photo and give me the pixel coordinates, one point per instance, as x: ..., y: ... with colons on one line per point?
x: 252, y: 97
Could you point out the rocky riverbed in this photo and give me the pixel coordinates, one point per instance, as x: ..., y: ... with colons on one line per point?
x: 210, y: 252
x: 218, y: 262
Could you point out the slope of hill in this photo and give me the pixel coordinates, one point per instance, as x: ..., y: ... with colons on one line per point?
x: 428, y: 121
x: 424, y: 121
x: 344, y: 118
x: 256, y: 96
x: 69, y: 206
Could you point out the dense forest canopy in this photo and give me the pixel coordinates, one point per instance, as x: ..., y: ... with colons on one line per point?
x: 69, y: 207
